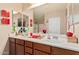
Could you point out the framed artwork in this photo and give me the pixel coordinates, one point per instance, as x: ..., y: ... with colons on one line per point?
x: 5, y: 13
x: 5, y: 17
x: 5, y: 21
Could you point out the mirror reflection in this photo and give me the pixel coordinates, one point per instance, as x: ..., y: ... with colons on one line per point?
x: 20, y: 22
x: 50, y: 18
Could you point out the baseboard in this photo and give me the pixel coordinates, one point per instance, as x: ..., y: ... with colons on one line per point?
x: 6, y: 53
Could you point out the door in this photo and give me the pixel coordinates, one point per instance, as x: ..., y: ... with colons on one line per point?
x: 54, y: 25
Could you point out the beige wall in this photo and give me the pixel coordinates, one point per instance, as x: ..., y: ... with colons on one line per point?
x: 11, y: 6
x: 62, y: 15
x: 5, y: 30
x: 75, y: 8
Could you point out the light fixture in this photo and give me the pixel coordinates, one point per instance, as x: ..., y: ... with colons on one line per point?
x: 36, y: 5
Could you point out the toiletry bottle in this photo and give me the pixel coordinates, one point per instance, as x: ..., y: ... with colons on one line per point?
x: 14, y: 28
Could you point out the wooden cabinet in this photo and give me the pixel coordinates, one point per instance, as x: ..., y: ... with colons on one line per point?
x: 61, y: 51
x: 16, y: 46
x: 19, y: 49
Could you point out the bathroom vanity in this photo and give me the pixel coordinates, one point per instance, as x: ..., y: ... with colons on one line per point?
x: 20, y: 45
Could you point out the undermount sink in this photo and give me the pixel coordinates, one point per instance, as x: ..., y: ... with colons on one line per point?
x: 62, y: 39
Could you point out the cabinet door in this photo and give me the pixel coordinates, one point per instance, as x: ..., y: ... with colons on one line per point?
x: 12, y: 48
x: 36, y: 52
x: 60, y: 51
x: 42, y: 47
x: 19, y: 49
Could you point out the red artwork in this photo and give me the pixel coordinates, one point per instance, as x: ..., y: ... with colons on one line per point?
x: 5, y: 17
x: 4, y: 13
x: 5, y: 21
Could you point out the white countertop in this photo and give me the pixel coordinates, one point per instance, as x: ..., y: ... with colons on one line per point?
x: 61, y: 42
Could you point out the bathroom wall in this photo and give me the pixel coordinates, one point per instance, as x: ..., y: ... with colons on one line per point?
x: 6, y: 29
x: 75, y: 8
x: 4, y: 32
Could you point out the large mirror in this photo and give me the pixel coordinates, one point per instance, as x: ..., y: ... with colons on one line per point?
x: 51, y: 17
x: 73, y: 18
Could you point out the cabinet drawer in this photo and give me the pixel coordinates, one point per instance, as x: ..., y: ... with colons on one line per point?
x: 19, y: 41
x: 12, y: 48
x: 42, y: 47
x: 36, y: 52
x: 61, y: 51
x: 12, y: 39
x: 19, y: 49
x: 57, y: 51
x: 28, y: 44
x: 28, y: 50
